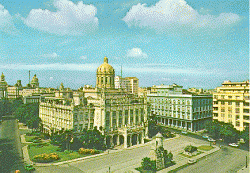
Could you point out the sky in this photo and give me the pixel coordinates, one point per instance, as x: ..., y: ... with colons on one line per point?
x: 193, y: 43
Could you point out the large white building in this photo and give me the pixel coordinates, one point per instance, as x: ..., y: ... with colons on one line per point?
x: 120, y: 115
x: 176, y: 109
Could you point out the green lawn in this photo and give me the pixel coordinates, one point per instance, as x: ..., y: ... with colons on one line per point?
x: 29, y: 138
x: 34, y: 150
x: 205, y: 147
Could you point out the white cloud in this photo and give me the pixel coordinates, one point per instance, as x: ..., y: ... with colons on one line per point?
x: 55, y: 66
x: 6, y: 23
x: 50, y: 55
x: 69, y: 18
x: 83, y: 57
x: 136, y: 53
x: 171, y: 15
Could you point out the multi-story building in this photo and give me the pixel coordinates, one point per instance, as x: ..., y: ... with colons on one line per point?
x: 132, y: 84
x: 120, y: 115
x: 175, y: 109
x: 231, y: 104
x: 129, y: 84
x: 3, y: 87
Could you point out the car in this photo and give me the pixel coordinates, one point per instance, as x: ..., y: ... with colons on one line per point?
x: 211, y: 140
x: 191, y: 161
x: 184, y: 132
x: 205, y: 137
x: 233, y: 145
x: 29, y: 168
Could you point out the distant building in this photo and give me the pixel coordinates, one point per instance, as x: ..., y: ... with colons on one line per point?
x: 175, y: 109
x: 200, y: 91
x: 129, y: 84
x: 231, y: 104
x: 3, y: 87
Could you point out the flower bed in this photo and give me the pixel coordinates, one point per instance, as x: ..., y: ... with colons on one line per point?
x: 88, y: 151
x: 45, y: 158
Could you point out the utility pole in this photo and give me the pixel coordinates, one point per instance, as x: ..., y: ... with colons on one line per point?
x: 246, y: 161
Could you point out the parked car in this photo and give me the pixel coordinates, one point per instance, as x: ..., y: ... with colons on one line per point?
x: 233, y: 145
x: 205, y: 137
x: 211, y: 140
x: 191, y: 161
x: 29, y: 168
x: 184, y: 132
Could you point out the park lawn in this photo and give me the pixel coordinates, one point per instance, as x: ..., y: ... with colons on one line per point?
x: 29, y: 138
x: 34, y: 150
x: 205, y: 147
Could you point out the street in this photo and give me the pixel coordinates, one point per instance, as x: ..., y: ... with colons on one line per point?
x: 227, y: 159
x: 10, y: 146
x: 127, y: 160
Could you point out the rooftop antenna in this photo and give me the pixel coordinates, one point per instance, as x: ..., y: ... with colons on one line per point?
x: 29, y: 76
x: 121, y: 71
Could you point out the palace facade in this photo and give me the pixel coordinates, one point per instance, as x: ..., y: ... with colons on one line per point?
x: 119, y: 114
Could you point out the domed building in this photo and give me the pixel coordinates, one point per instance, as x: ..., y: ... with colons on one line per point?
x: 3, y: 87
x: 34, y: 82
x: 105, y: 75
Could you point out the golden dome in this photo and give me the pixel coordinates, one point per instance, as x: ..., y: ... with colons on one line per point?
x: 105, y: 68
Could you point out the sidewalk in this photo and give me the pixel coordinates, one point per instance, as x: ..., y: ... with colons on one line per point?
x: 185, y: 161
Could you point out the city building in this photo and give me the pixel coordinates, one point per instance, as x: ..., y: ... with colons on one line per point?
x: 231, y: 104
x: 117, y: 113
x: 129, y: 84
x: 3, y: 87
x: 176, y: 109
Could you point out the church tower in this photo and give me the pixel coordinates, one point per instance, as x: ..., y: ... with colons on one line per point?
x: 105, y: 75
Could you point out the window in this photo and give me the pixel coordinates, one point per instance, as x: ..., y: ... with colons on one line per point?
x: 246, y: 110
x: 237, y: 110
x: 223, y: 103
x: 237, y: 104
x: 229, y: 103
x: 230, y: 97
x: 238, y: 123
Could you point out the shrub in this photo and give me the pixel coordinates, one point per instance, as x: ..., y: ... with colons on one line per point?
x: 190, y: 149
x: 45, y: 158
x: 88, y: 151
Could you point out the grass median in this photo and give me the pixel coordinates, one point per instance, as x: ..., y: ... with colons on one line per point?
x: 205, y: 147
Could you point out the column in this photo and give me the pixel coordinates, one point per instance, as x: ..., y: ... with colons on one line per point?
x: 191, y: 126
x: 137, y: 138
x: 142, y: 138
x: 130, y: 140
x: 168, y: 122
x: 186, y: 125
x: 181, y: 124
x: 118, y: 140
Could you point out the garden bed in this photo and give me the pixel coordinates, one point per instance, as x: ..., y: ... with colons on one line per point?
x: 41, y: 148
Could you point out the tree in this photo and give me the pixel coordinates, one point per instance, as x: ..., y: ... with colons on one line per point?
x: 222, y: 130
x: 190, y: 149
x: 93, y: 139
x: 148, y: 164
x: 168, y: 157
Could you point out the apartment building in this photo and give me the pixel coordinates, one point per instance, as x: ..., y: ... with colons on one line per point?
x: 231, y: 104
